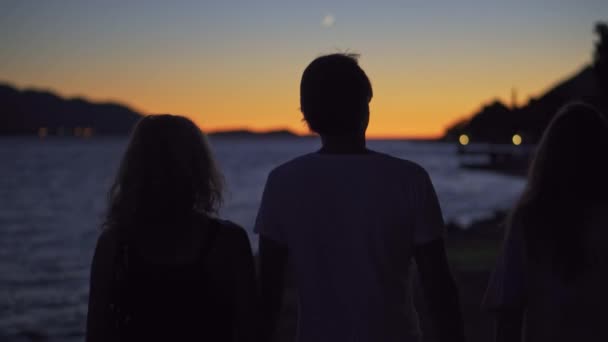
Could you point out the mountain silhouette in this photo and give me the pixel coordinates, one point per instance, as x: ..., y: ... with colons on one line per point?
x: 24, y: 112
x: 497, y: 123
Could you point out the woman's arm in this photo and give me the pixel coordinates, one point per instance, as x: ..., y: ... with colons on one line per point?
x: 273, y: 260
x: 99, y: 320
x: 246, y: 296
x: 506, y: 296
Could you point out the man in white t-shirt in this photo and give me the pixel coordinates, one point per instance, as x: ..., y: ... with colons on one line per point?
x: 350, y: 222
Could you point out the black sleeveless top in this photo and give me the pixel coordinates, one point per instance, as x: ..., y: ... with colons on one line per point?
x: 171, y: 302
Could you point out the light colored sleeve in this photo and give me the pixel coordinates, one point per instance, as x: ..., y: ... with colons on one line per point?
x: 429, y: 223
x: 267, y: 221
x: 507, y: 285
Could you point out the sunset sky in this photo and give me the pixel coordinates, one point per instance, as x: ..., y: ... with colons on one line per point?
x: 237, y: 64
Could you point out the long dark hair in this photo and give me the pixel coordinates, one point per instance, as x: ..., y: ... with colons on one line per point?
x: 569, y: 175
x: 167, y: 174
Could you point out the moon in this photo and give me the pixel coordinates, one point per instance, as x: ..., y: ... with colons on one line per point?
x: 328, y: 21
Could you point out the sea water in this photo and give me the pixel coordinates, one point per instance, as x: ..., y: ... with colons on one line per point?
x: 53, y: 195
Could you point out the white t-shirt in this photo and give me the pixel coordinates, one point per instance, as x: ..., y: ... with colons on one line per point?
x: 350, y: 223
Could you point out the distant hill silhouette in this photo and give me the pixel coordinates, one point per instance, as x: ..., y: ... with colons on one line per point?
x: 24, y: 112
x: 497, y: 123
x: 246, y: 134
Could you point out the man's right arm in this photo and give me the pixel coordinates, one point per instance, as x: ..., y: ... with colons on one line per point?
x: 434, y: 272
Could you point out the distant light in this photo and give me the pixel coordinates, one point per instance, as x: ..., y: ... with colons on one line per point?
x: 517, y: 139
x: 43, y: 132
x: 87, y: 132
x: 464, y: 140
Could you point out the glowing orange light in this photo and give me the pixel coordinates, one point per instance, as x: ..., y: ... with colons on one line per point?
x: 43, y: 132
x: 87, y: 132
x: 464, y: 140
x: 517, y: 139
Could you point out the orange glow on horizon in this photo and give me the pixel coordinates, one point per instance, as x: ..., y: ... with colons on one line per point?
x: 403, y: 107
x: 227, y: 66
x: 303, y: 132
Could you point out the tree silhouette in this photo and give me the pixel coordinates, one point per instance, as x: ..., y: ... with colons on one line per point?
x: 600, y: 63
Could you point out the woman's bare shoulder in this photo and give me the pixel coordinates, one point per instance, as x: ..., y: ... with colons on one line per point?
x: 233, y: 238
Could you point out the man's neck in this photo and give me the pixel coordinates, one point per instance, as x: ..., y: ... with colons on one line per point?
x: 343, y: 145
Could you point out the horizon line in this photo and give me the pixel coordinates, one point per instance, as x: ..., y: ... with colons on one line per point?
x: 308, y: 134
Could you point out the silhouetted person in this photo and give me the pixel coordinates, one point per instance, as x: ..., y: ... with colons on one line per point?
x: 350, y: 221
x: 551, y: 281
x: 165, y: 269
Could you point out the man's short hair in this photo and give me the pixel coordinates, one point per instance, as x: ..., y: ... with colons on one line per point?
x: 335, y: 94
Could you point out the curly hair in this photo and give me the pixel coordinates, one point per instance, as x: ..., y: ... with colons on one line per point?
x: 166, y: 174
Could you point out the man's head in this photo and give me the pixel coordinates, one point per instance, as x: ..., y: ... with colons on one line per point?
x: 335, y: 95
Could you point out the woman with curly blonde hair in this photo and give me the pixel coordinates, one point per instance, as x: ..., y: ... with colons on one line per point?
x: 165, y: 268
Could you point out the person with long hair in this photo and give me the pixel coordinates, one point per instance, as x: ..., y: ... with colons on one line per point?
x: 165, y: 267
x: 550, y: 282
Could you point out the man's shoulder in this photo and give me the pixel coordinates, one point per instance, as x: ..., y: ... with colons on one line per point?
x: 291, y: 166
x: 401, y: 165
x: 386, y: 162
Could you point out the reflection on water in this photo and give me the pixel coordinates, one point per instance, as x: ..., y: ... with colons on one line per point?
x: 52, y: 194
